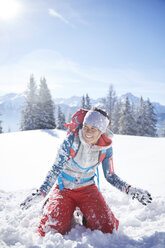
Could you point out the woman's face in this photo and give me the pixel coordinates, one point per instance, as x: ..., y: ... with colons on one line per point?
x: 90, y: 134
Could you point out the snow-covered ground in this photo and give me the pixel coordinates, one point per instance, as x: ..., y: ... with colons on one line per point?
x: 24, y: 161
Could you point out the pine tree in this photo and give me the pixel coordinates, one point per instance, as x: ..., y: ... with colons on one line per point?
x: 141, y: 118
x: 116, y: 117
x: 83, y: 102
x: 127, y: 121
x: 151, y: 120
x: 87, y: 102
x: 146, y: 119
x: 110, y: 101
x: 60, y: 119
x: 29, y: 114
x: 46, y: 118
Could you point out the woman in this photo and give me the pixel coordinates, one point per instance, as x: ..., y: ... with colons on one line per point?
x: 75, y: 168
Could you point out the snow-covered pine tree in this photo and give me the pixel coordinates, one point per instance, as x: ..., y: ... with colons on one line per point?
x: 116, y: 117
x: 60, y: 119
x: 83, y: 102
x: 29, y: 114
x: 87, y: 102
x: 141, y: 119
x: 127, y: 121
x: 110, y: 101
x: 46, y: 118
x: 151, y: 120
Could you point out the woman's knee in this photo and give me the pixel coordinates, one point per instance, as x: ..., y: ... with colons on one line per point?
x: 57, y: 215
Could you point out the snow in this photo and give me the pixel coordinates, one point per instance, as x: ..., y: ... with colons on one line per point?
x: 27, y: 156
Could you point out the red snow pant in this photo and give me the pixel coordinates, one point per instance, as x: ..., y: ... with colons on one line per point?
x: 59, y: 210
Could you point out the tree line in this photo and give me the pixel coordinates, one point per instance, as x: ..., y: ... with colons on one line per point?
x: 128, y: 119
x: 125, y: 118
x: 38, y: 112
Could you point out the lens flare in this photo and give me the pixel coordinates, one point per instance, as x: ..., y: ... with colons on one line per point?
x: 9, y: 9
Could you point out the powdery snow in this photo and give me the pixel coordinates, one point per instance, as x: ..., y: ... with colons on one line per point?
x: 27, y: 156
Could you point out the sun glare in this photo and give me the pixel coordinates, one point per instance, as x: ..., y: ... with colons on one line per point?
x: 9, y: 9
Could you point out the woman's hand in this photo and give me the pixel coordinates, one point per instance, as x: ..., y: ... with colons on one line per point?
x: 35, y: 197
x: 142, y: 196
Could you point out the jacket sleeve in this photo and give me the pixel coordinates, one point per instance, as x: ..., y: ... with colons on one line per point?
x: 109, y: 173
x: 61, y: 159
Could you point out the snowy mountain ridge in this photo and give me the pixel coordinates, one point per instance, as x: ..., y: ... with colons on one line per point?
x: 12, y: 103
x: 135, y: 101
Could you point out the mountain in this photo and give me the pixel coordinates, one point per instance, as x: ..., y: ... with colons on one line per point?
x: 10, y: 110
x: 135, y: 100
x: 70, y: 105
x: 12, y: 103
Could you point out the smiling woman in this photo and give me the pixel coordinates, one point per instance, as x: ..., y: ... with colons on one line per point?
x: 9, y: 9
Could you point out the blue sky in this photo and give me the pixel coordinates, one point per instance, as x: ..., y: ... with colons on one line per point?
x: 83, y: 46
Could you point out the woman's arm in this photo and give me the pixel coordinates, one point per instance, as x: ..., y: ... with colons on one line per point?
x: 61, y: 159
x: 109, y: 173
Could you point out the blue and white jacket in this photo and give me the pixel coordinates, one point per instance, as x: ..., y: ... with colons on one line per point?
x: 77, y: 161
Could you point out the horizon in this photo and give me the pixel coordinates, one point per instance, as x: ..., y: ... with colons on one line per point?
x: 84, y: 46
x: 118, y: 96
